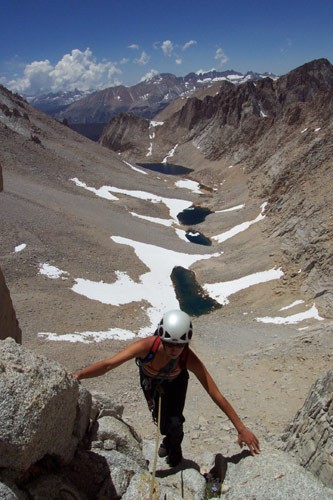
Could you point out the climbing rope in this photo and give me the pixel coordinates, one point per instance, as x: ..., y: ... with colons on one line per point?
x: 152, y: 482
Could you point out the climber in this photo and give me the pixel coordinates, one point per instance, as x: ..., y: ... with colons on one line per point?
x: 164, y: 360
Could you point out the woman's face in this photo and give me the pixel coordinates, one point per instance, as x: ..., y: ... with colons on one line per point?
x: 173, y: 350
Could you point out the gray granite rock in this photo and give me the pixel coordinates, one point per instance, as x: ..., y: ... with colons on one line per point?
x: 52, y: 486
x: 309, y: 436
x: 38, y: 408
x: 111, y: 428
x: 273, y: 475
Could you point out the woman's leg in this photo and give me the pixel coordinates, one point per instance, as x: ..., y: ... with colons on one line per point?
x: 173, y: 396
x: 172, y: 418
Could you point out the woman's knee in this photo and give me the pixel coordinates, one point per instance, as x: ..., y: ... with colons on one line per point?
x: 174, y: 426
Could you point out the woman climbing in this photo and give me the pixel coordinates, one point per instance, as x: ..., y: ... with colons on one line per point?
x: 164, y: 360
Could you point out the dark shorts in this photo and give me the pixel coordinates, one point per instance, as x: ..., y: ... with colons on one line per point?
x: 173, y: 395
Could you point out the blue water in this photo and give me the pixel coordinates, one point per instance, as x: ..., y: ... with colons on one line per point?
x: 167, y: 169
x: 190, y: 295
x: 193, y: 215
x: 198, y: 238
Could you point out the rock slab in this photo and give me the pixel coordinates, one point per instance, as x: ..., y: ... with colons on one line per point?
x: 38, y: 408
x: 309, y: 437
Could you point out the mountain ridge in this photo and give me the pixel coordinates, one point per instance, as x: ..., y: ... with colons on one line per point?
x: 145, y: 98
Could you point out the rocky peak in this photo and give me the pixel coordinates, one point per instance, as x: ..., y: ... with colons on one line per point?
x: 305, y: 82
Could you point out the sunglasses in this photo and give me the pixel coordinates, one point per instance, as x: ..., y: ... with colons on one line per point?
x: 173, y: 344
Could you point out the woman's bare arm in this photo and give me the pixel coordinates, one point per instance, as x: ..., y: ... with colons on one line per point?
x: 140, y: 349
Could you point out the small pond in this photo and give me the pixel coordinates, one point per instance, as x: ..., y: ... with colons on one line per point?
x: 166, y: 168
x: 191, y: 296
x: 193, y: 215
x: 198, y: 238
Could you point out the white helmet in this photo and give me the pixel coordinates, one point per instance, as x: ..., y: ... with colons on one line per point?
x: 175, y: 326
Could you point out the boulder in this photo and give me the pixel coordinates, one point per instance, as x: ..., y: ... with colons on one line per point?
x: 273, y: 474
x: 122, y: 469
x: 309, y: 436
x: 113, y: 430
x: 89, y: 473
x: 39, y: 410
x: 103, y: 407
x: 10, y: 492
x: 139, y: 488
x: 53, y: 486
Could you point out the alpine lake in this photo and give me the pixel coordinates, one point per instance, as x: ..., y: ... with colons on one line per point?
x: 190, y: 295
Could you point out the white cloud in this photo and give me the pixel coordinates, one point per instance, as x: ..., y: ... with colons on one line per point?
x: 134, y: 46
x: 188, y: 44
x: 202, y: 71
x: 75, y: 70
x: 178, y: 60
x: 36, y: 75
x: 149, y: 75
x: 143, y: 59
x: 221, y: 57
x: 167, y: 47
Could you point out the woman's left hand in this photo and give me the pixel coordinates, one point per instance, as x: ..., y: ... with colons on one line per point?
x: 247, y: 437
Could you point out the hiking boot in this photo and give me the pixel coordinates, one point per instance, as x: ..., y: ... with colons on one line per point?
x: 175, y: 456
x: 163, y: 450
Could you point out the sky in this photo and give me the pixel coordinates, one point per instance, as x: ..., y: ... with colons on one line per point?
x: 48, y: 46
x: 155, y: 288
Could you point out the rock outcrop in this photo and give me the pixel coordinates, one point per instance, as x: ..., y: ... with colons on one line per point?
x: 9, y: 326
x: 51, y: 431
x: 309, y: 437
x: 37, y: 398
x: 122, y: 137
x: 274, y: 475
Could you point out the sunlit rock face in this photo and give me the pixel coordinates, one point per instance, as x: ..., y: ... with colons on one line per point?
x: 308, y: 436
x: 120, y: 136
x: 38, y: 408
x: 8, y: 323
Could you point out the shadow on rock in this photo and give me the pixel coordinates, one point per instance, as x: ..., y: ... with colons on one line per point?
x: 184, y: 465
x: 219, y: 470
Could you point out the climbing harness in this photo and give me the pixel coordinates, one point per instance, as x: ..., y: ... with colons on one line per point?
x: 151, y: 385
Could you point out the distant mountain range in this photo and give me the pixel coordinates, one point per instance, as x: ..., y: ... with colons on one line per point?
x: 54, y: 102
x: 88, y: 112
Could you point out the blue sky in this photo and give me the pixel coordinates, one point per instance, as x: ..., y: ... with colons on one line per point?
x: 51, y: 46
